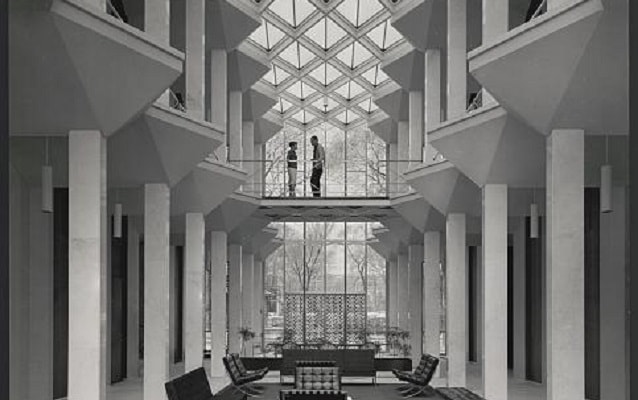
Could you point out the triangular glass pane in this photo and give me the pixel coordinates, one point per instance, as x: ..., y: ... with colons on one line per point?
x: 342, y: 117
x: 350, y: 90
x: 368, y: 9
x: 303, y: 9
x: 259, y: 35
x: 325, y: 74
x: 280, y: 75
x: 295, y: 89
x: 348, y: 9
x: 273, y: 35
x: 361, y: 54
x: 368, y: 105
x: 300, y: 116
x: 325, y: 33
x: 325, y: 103
x: 282, y: 105
x: 343, y: 90
x: 283, y: 9
x: 297, y: 55
x: 375, y: 75
x: 306, y: 90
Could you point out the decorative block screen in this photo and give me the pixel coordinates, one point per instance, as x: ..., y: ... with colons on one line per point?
x: 325, y: 316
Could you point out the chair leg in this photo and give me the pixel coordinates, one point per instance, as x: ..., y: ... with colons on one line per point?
x: 247, y: 391
x: 416, y: 393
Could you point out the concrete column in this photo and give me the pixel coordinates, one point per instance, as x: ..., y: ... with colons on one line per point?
x: 234, y: 297
x: 392, y: 292
x: 494, y: 299
x: 432, y: 97
x: 432, y: 293
x: 172, y: 298
x: 479, y: 318
x: 157, y: 24
x: 40, y: 379
x: 613, y: 299
x: 218, y: 260
x: 133, y: 301
x: 248, y: 151
x: 565, y: 259
x: 87, y: 266
x: 156, y: 290
x: 403, y: 149
x: 456, y: 295
x: 416, y: 110
x: 456, y: 59
x: 234, y: 135
x: 194, y: 292
x: 403, y: 283
x: 258, y: 300
x: 393, y: 171
x: 495, y: 25
x: 194, y: 64
x: 258, y: 174
x: 519, y: 309
x: 415, y: 265
x: 219, y: 94
x: 247, y: 269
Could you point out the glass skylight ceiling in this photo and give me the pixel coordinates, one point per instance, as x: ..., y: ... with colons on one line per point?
x: 325, y: 57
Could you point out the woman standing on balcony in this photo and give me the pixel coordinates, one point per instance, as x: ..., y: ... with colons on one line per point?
x: 292, y: 169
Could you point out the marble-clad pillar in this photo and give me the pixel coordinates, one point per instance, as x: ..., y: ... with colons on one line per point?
x: 194, y: 292
x: 403, y: 147
x: 258, y: 300
x: 519, y: 308
x: 194, y: 64
x: 156, y: 290
x: 248, y: 151
x: 87, y: 266
x: 416, y: 111
x: 157, y: 24
x: 234, y: 134
x: 432, y: 98
x: 219, y: 94
x: 218, y: 260
x: 432, y: 293
x: 403, y: 282
x: 456, y: 59
x: 456, y: 294
x: 391, y: 276
x: 415, y: 256
x: 565, y: 277
x: 494, y: 294
x: 234, y: 297
x: 247, y: 270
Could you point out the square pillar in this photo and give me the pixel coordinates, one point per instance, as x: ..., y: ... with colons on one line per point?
x: 194, y: 292
x: 393, y: 171
x: 403, y: 283
x: 456, y: 295
x: 219, y: 95
x: 403, y: 147
x: 432, y: 98
x: 218, y: 260
x: 415, y: 255
x: 391, y: 276
x: 258, y: 300
x: 133, y: 300
x: 87, y: 266
x: 157, y: 24
x: 234, y: 295
x: 234, y: 132
x: 519, y: 307
x: 456, y: 59
x: 258, y: 173
x: 494, y: 296
x: 416, y: 111
x: 156, y: 290
x: 432, y: 293
x: 565, y: 278
x: 195, y: 52
x: 248, y: 157
x: 247, y: 267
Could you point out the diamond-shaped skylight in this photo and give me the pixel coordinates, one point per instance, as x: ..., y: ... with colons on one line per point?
x: 358, y: 12
x: 325, y: 33
x: 267, y: 35
x: 324, y: 57
x: 293, y: 12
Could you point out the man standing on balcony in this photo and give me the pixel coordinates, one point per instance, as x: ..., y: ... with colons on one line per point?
x: 318, y: 158
x: 292, y: 169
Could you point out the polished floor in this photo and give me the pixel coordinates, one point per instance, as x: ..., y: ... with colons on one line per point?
x: 385, y: 389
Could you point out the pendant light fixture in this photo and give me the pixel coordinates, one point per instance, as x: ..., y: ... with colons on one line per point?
x: 605, y: 181
x: 47, y: 181
x: 533, y: 217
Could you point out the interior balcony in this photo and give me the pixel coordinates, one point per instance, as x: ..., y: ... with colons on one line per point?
x: 446, y: 188
x: 548, y: 71
x: 489, y: 145
x: 71, y: 55
x: 233, y: 211
x: 417, y: 212
x: 423, y: 23
x: 162, y: 145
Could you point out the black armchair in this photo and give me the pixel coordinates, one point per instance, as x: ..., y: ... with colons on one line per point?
x: 240, y: 382
x: 418, y: 382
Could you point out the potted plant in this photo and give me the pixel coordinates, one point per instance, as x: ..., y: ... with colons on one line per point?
x: 246, y: 335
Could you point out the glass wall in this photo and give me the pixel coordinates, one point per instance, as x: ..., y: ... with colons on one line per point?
x: 355, y: 162
x: 325, y: 286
